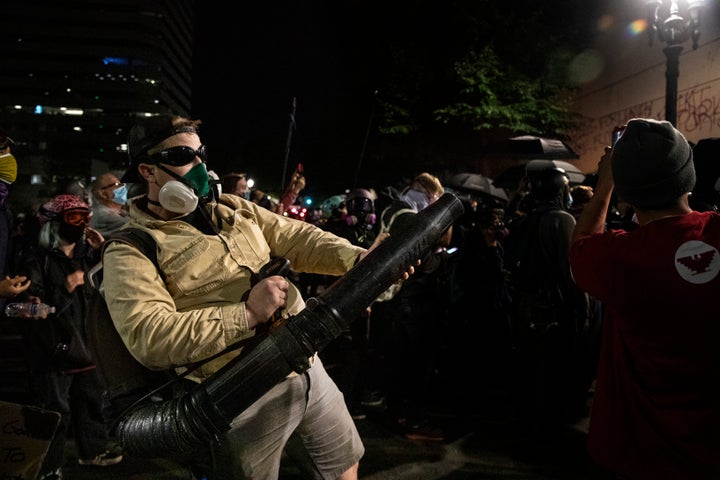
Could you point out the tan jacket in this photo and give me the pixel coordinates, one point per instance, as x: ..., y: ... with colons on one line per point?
x: 200, y: 310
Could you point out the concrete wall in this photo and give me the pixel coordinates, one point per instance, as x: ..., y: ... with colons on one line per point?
x: 628, y: 79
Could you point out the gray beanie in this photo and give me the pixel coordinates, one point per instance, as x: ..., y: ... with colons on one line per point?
x: 652, y: 164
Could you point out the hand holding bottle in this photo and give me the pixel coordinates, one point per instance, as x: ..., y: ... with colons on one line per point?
x: 28, y: 310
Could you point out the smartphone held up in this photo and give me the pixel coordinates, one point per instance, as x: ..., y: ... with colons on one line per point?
x: 616, y: 134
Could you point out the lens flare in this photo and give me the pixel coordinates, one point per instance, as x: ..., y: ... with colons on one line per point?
x: 637, y: 27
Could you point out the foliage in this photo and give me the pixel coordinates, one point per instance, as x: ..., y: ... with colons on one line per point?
x: 480, y: 65
x: 496, y: 95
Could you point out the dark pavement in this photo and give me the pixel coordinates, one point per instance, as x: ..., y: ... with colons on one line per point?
x: 485, y: 441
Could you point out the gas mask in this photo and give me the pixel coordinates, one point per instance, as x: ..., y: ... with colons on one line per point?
x: 182, y: 195
x: 120, y: 195
x: 365, y: 220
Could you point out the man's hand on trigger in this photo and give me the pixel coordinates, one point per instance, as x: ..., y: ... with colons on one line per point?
x: 265, y: 298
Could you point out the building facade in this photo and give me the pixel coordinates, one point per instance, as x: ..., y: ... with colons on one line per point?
x: 626, y: 78
x: 77, y: 73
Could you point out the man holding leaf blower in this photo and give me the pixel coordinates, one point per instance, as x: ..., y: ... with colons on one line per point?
x: 210, y: 250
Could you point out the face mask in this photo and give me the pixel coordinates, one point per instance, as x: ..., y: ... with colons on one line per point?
x: 71, y: 233
x: 120, y: 195
x: 177, y: 197
x: 200, y: 180
x: 8, y: 168
x: 416, y: 199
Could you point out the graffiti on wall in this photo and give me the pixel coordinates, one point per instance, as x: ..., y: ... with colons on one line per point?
x: 698, y: 116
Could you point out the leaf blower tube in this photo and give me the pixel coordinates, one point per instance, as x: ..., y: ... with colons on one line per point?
x: 186, y: 426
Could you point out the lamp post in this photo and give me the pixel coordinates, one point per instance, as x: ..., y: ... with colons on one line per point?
x: 674, y: 30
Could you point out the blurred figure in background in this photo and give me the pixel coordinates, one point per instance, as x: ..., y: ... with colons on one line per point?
x: 706, y: 194
x: 64, y: 374
x: 346, y: 358
x: 8, y: 174
x: 109, y: 213
x: 549, y: 312
x: 236, y: 184
x: 482, y: 339
x: 261, y: 198
x: 290, y: 195
x: 410, y: 318
x: 580, y: 196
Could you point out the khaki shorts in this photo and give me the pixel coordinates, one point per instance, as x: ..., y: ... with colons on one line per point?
x: 306, y: 416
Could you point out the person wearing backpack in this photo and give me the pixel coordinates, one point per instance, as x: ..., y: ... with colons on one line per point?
x: 205, y: 295
x: 63, y: 372
x: 549, y: 313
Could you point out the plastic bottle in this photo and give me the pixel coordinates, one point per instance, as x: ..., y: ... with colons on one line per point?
x: 28, y: 309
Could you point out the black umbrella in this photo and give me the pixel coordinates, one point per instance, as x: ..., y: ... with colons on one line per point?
x: 575, y: 175
x: 531, y: 147
x: 476, y: 183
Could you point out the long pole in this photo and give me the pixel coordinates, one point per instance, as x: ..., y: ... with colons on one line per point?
x: 365, y: 140
x: 672, y: 54
x: 291, y: 128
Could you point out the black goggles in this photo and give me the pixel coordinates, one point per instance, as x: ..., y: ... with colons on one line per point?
x: 179, y: 156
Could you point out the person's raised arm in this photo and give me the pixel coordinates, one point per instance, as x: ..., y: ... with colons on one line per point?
x: 592, y: 218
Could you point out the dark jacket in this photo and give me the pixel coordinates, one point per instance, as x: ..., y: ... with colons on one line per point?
x: 53, y: 342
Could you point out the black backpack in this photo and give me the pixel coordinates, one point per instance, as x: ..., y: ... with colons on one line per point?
x: 126, y: 382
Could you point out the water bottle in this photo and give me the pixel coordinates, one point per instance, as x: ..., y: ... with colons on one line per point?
x: 28, y: 309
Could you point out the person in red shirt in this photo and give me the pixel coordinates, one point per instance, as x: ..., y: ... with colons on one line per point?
x: 656, y: 410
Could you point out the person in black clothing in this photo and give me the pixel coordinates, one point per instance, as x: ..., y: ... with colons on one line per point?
x: 549, y: 312
x: 9, y: 287
x: 481, y: 324
x: 413, y: 315
x: 63, y: 372
x: 347, y: 358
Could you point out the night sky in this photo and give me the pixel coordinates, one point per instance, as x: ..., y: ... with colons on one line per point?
x: 332, y: 56
x: 247, y: 71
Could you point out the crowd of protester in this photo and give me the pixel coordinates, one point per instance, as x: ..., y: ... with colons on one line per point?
x: 496, y: 300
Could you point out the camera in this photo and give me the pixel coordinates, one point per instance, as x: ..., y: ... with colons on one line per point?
x: 616, y: 134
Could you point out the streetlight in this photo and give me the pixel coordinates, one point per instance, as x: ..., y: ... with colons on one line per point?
x: 674, y: 30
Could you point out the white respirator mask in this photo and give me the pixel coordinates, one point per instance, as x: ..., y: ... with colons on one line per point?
x: 177, y: 197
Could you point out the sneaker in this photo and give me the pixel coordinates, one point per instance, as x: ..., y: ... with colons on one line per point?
x: 102, y: 460
x: 357, y: 413
x: 423, y: 431
x: 372, y: 399
x: 54, y: 475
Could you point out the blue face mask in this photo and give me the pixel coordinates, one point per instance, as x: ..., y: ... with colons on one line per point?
x: 120, y: 195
